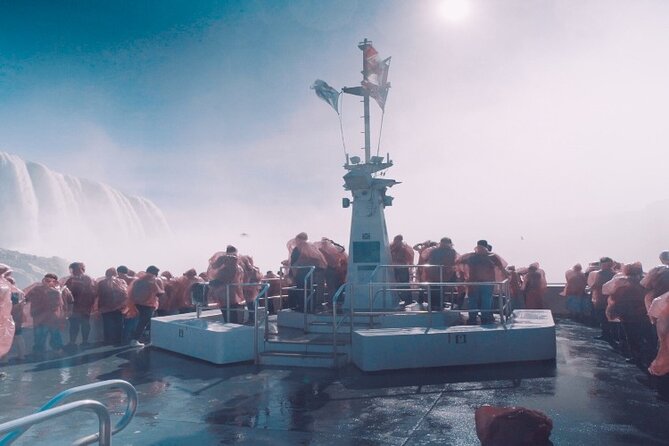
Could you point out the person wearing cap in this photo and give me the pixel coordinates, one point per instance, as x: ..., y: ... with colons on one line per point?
x: 481, y: 265
x: 48, y: 307
x: 83, y: 292
x: 144, y: 293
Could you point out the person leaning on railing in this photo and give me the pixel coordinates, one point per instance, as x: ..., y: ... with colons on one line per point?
x: 482, y: 265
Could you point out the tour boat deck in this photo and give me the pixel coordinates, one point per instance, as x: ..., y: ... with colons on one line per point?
x: 590, y: 392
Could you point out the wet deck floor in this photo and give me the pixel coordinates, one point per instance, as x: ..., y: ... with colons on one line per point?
x: 591, y: 394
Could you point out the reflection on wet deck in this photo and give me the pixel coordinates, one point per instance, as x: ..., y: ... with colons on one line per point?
x: 590, y: 393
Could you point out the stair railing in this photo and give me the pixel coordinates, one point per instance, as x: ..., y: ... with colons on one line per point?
x: 53, y: 408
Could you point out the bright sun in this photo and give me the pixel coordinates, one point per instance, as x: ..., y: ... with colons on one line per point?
x: 454, y: 10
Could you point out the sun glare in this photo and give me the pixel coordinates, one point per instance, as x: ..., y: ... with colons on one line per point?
x: 454, y: 10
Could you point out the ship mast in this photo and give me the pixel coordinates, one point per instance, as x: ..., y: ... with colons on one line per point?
x: 365, y: 73
x: 369, y: 245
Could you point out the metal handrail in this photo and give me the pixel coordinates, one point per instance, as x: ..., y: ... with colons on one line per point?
x: 335, y: 324
x: 103, y: 437
x: 256, y: 319
x: 412, y: 266
x: 131, y: 408
x: 308, y: 285
x: 503, y: 296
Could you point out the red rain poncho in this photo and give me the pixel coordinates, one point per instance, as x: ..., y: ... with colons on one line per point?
x: 482, y: 266
x: 83, y: 292
x: 507, y: 426
x: 656, y: 282
x: 309, y: 254
x: 659, y: 314
x: 112, y: 292
x: 6, y: 320
x: 534, y: 286
x: 145, y: 290
x: 225, y: 274
x: 183, y: 289
x: 401, y: 253
x: 48, y: 305
x: 626, y: 296
x: 251, y: 275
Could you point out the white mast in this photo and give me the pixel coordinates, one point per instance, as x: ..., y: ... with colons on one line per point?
x: 369, y: 244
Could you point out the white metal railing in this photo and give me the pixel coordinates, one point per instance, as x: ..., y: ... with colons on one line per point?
x: 308, y: 289
x: 346, y: 288
x: 53, y: 408
x: 104, y: 433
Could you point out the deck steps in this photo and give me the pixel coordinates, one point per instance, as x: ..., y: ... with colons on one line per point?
x: 293, y: 347
x: 303, y: 359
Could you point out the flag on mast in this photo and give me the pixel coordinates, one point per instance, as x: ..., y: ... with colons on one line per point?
x: 375, y: 72
x: 327, y: 93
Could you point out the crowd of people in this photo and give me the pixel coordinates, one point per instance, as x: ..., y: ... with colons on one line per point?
x: 631, y: 308
x: 441, y: 263
x: 125, y: 301
x: 626, y: 303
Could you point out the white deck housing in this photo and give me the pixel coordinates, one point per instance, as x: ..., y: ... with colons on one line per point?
x: 529, y: 336
x: 207, y: 338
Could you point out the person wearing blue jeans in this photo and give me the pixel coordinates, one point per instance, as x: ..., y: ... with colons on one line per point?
x: 481, y: 265
x: 41, y: 332
x: 480, y: 298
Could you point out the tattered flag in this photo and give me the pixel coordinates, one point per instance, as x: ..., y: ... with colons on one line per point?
x: 327, y: 93
x: 375, y: 71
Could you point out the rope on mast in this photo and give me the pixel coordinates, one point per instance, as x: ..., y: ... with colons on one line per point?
x: 341, y: 125
x: 378, y: 146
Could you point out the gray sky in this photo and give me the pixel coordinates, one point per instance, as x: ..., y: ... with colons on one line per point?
x: 537, y: 125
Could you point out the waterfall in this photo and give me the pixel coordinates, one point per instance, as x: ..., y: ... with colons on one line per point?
x: 42, y: 208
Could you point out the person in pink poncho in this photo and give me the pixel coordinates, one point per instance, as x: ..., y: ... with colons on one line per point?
x: 303, y: 255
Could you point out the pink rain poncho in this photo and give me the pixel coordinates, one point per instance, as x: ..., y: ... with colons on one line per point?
x: 334, y: 256
x: 534, y: 286
x: 401, y: 253
x: 482, y: 266
x: 656, y: 282
x: 49, y: 304
x: 183, y: 289
x: 225, y: 274
x: 112, y: 292
x: 659, y: 314
x: 6, y: 320
x: 518, y: 426
x: 145, y: 290
x: 626, y: 295
x: 251, y: 275
x: 309, y: 254
x: 423, y: 254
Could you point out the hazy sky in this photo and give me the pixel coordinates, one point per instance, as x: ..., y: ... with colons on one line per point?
x: 538, y: 125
